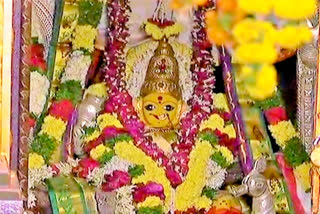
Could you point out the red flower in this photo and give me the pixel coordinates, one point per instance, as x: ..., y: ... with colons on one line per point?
x: 276, y: 115
x: 116, y: 180
x: 31, y: 122
x: 85, y: 166
x: 62, y: 109
x: 55, y: 169
x: 36, y: 53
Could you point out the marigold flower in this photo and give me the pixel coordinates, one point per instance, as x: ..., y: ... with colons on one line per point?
x: 35, y: 161
x: 291, y: 37
x: 256, y: 6
x: 294, y: 9
x: 282, y: 132
x: 301, y: 172
x: 54, y: 127
x: 84, y: 37
x: 97, y: 152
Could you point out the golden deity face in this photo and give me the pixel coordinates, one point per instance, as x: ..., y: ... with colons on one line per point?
x: 160, y: 110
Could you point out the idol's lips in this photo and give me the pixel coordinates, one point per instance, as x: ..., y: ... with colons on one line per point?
x: 161, y: 117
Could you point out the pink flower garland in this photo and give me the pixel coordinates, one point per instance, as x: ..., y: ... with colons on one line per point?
x: 120, y: 101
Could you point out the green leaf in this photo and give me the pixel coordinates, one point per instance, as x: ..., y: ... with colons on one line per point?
x: 70, y: 90
x: 120, y: 138
x: 150, y: 210
x: 106, y: 157
x: 209, y: 193
x: 136, y: 171
x: 209, y: 136
x: 88, y: 131
x: 295, y: 152
x: 43, y: 145
x: 90, y: 12
x: 274, y: 101
x: 220, y: 159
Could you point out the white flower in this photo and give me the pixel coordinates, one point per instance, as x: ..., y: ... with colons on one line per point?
x: 77, y: 67
x: 215, y: 175
x: 39, y: 87
x: 37, y: 176
x: 125, y: 201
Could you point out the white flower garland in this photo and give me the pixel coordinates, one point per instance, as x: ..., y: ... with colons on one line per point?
x: 39, y: 87
x: 77, y: 67
x: 215, y: 175
x: 124, y: 201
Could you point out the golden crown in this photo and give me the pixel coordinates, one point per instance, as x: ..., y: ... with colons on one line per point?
x: 163, y: 72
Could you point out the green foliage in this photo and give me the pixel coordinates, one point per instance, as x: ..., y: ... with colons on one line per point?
x: 209, y: 136
x: 106, y: 157
x: 209, y: 193
x: 271, y: 102
x: 136, y: 171
x: 70, y: 90
x: 295, y: 152
x: 120, y: 138
x: 150, y: 210
x: 90, y: 12
x: 88, y: 131
x: 220, y: 159
x: 43, y: 145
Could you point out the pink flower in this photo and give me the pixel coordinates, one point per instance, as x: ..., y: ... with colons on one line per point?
x: 116, y: 180
x: 150, y: 189
x: 275, y: 115
x: 174, y: 177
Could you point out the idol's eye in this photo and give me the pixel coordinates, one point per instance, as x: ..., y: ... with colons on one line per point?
x: 168, y: 107
x: 149, y: 107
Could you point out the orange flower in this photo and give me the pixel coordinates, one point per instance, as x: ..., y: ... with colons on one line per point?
x: 227, y: 5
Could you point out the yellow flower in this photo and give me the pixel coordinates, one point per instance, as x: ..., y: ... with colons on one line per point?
x: 92, y: 136
x: 230, y: 131
x: 282, y: 132
x: 97, y: 152
x: 256, y: 6
x: 54, y: 127
x: 214, y: 122
x: 188, y: 194
x: 226, y: 153
x: 251, y: 53
x: 84, y: 37
x: 294, y: 9
x: 220, y: 101
x: 265, y: 84
x: 203, y: 203
x: 301, y: 172
x: 292, y: 37
x: 35, y: 161
x: 151, y: 201
x: 129, y: 152
x: 252, y: 30
x: 158, y: 33
x: 106, y: 120
x: 98, y: 90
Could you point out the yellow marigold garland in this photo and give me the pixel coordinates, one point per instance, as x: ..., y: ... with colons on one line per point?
x: 92, y: 136
x: 291, y: 36
x: 106, y: 120
x: 256, y: 6
x: 282, y: 132
x: 98, y: 90
x: 97, y: 152
x: 35, y: 161
x: 151, y: 201
x: 189, y: 192
x: 214, y: 122
x: 54, y: 127
x: 84, y: 37
x: 154, y: 173
x: 302, y: 174
x: 220, y: 102
x: 294, y: 9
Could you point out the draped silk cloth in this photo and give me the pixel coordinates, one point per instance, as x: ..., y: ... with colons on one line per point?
x: 70, y: 195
